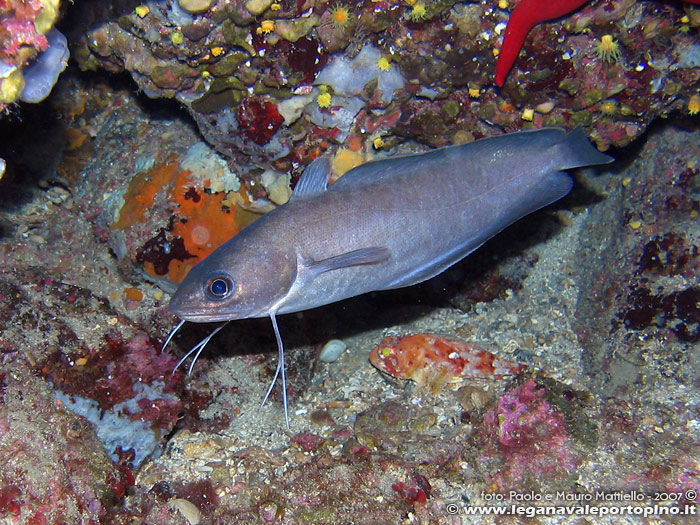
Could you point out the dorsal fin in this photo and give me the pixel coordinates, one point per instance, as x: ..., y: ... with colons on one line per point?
x: 314, y: 180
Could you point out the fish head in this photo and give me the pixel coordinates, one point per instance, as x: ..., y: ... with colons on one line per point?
x: 235, y: 282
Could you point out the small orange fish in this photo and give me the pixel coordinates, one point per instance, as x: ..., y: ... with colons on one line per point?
x: 433, y: 360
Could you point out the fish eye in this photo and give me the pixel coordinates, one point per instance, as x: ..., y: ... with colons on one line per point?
x: 219, y: 286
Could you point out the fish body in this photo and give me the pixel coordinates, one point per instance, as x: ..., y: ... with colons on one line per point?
x: 385, y: 224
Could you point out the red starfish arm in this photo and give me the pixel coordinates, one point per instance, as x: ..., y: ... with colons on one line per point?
x: 524, y: 17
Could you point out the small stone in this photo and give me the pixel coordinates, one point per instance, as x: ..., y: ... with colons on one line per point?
x: 257, y: 7
x: 331, y: 350
x: 545, y: 107
x: 195, y: 6
x: 296, y: 28
x: 269, y: 511
x: 188, y: 510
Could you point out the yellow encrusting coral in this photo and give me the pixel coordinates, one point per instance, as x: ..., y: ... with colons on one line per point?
x: 142, y: 10
x: 177, y: 38
x: 11, y: 87
x: 47, y: 16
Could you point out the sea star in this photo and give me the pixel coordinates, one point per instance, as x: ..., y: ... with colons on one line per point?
x: 525, y: 16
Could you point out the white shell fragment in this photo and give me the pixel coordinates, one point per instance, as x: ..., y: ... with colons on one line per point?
x: 331, y: 351
x: 188, y: 510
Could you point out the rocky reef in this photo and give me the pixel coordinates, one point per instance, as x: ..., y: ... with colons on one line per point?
x: 557, y: 366
x: 253, y: 74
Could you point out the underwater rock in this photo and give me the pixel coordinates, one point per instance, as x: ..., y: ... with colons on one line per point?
x: 62, y: 344
x: 643, y: 287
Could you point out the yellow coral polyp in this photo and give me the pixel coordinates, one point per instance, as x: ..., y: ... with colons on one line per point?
x: 340, y: 16
x: 141, y: 10
x: 217, y: 51
x: 694, y: 105
x: 177, y: 38
x: 324, y: 100
x: 608, y: 49
x: 419, y: 12
x: 528, y: 114
x: 384, y: 64
x: 609, y: 107
x: 266, y: 26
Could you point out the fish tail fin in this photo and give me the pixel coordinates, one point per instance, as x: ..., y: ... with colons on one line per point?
x: 575, y: 150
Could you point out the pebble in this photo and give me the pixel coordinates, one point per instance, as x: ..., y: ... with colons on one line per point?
x: 331, y: 351
x: 195, y: 6
x: 188, y: 510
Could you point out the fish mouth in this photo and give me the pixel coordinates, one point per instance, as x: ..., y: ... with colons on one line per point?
x: 195, y: 317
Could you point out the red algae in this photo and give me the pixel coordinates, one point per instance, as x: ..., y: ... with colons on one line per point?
x: 307, y: 441
x: 258, y: 119
x: 9, y: 501
x: 416, y: 491
x: 109, y: 377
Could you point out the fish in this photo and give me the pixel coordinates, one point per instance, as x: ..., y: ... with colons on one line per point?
x: 431, y: 360
x: 385, y: 224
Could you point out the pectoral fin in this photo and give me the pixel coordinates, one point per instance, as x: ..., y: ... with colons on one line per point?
x: 371, y: 255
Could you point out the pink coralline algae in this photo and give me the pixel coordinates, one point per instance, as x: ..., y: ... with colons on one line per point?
x: 307, y: 441
x: 528, y: 437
